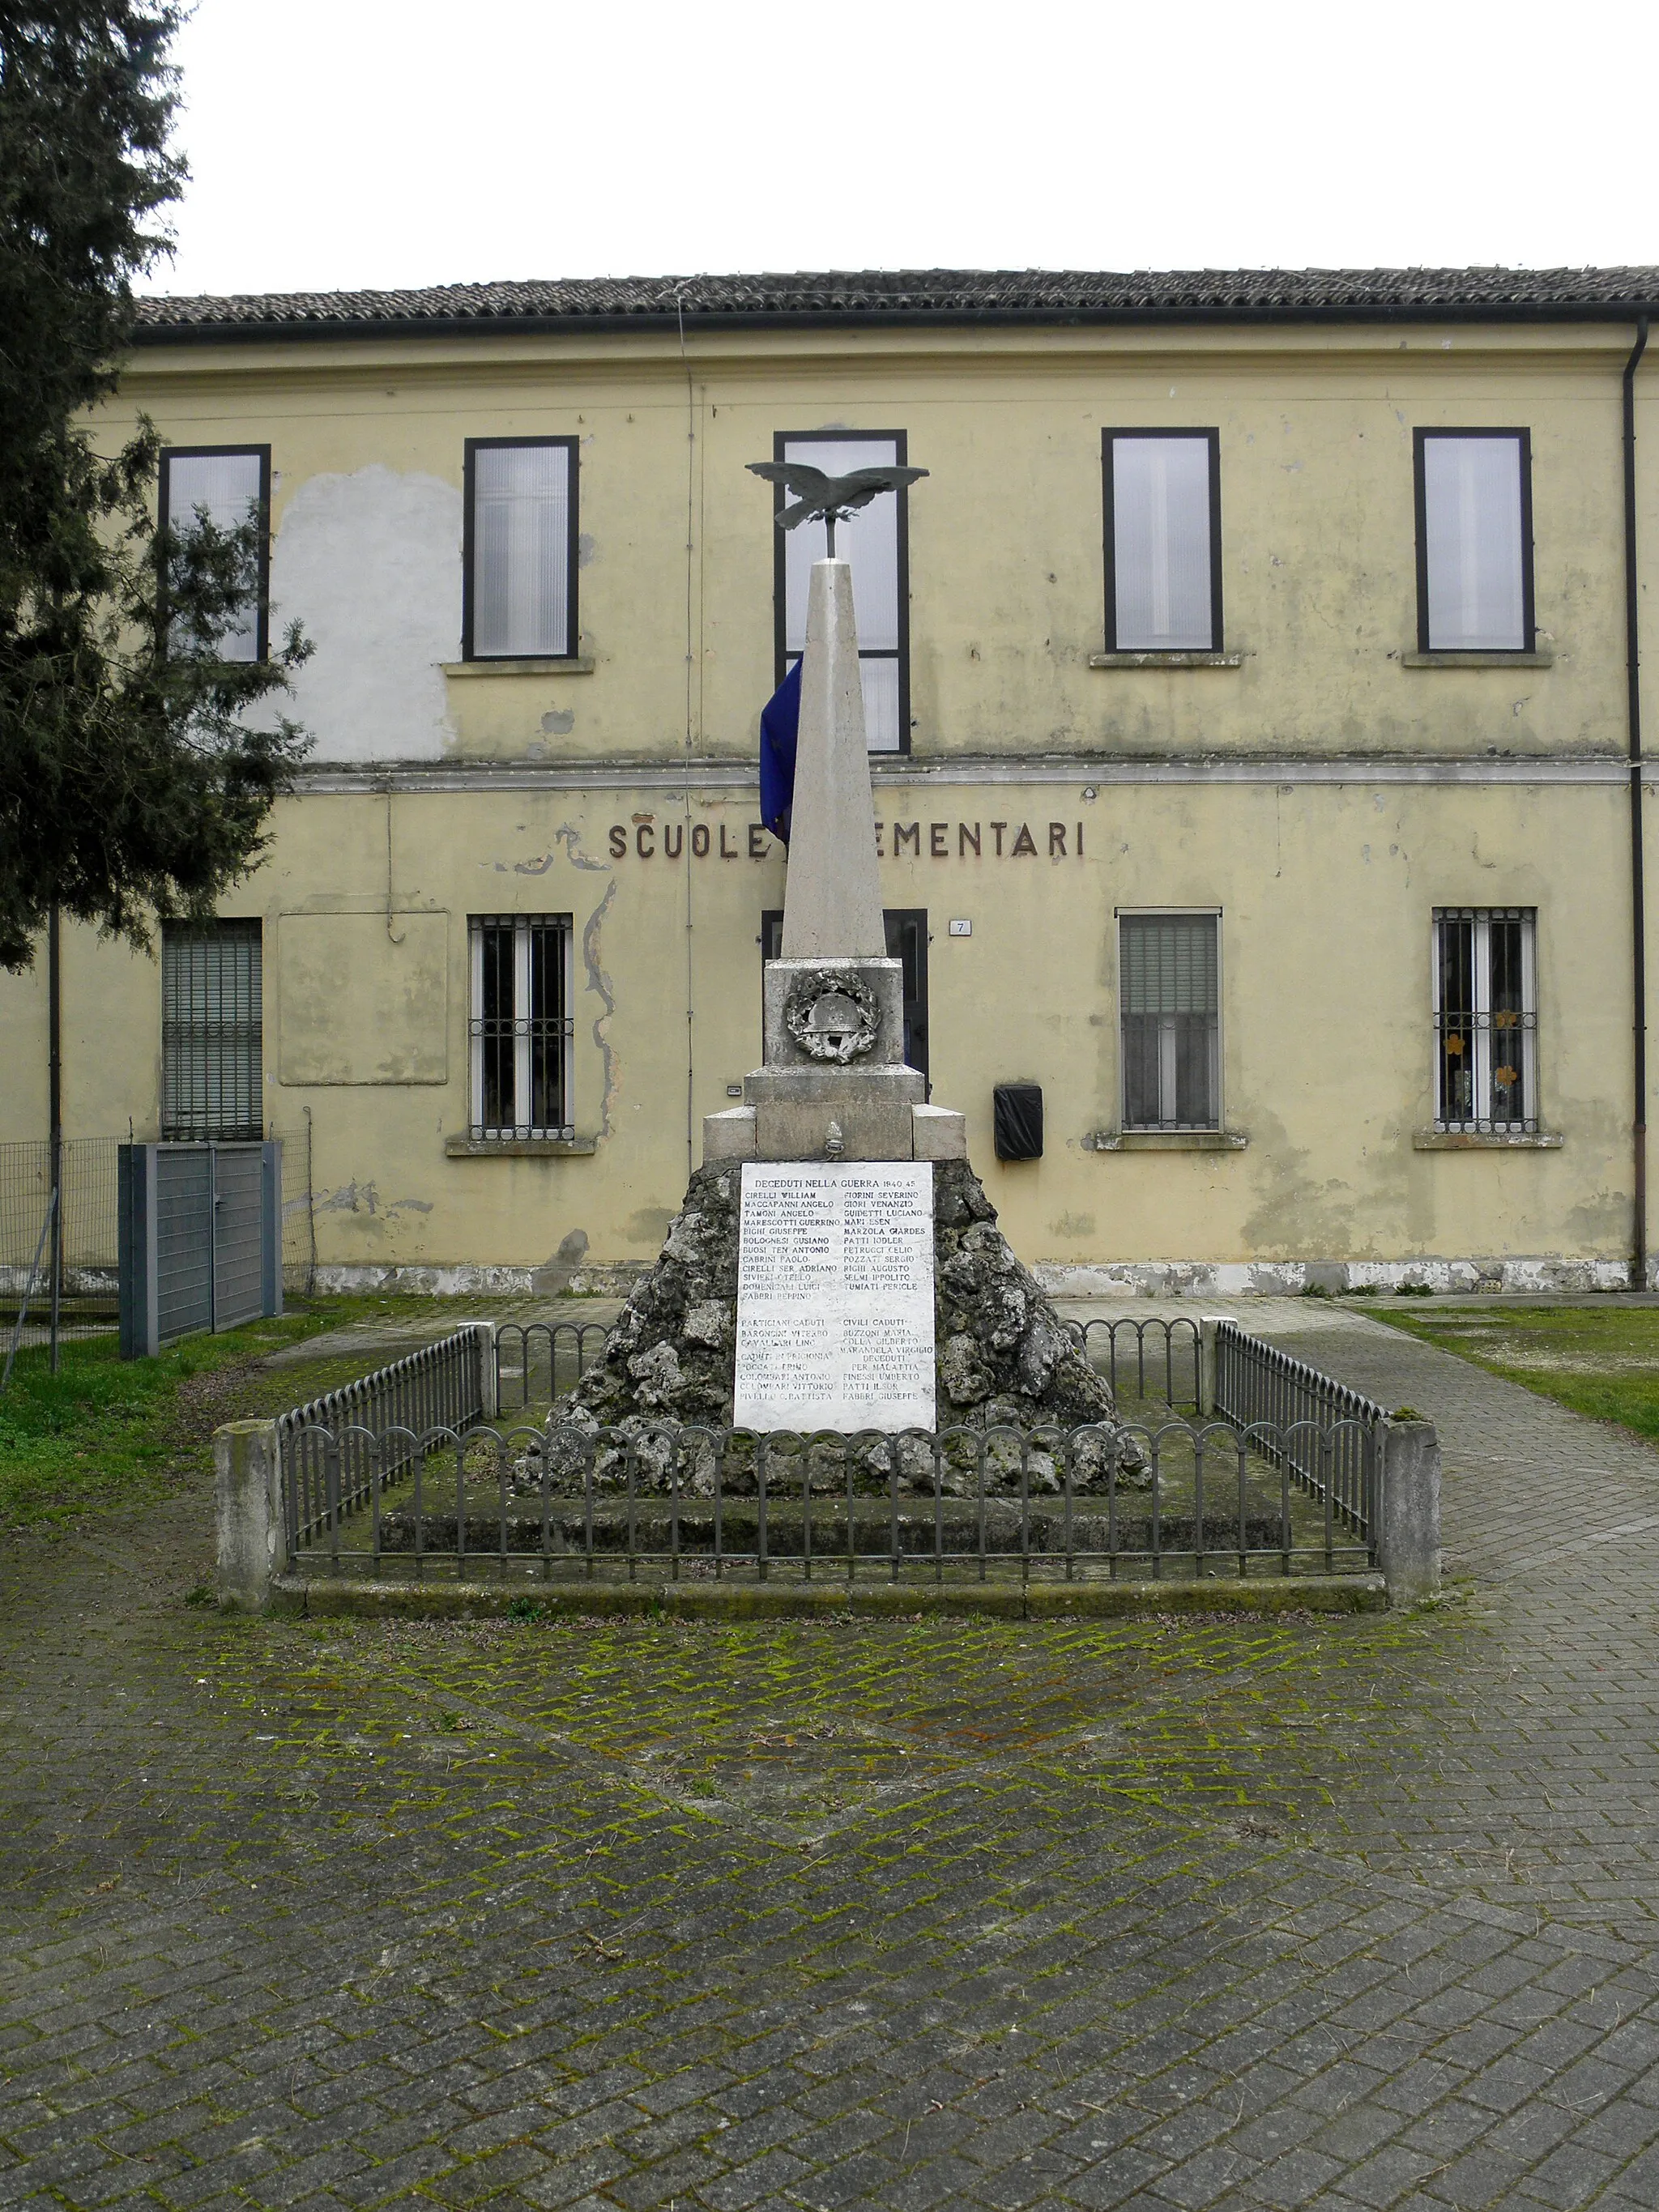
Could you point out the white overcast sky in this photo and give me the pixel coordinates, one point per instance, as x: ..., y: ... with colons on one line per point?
x: 369, y: 142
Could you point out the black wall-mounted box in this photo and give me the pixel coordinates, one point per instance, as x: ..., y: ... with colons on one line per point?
x: 1018, y: 1121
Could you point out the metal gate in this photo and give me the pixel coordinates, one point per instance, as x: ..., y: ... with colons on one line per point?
x: 201, y: 1239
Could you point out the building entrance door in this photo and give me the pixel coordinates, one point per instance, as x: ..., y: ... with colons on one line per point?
x: 907, y: 941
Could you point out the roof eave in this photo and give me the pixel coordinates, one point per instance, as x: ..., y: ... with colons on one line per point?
x: 317, y: 329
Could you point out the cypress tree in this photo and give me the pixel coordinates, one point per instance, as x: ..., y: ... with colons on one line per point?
x: 137, y: 768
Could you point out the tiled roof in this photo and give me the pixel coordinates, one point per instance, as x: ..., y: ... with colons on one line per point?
x: 929, y: 295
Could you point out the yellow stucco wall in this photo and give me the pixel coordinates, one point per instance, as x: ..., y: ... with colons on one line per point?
x: 502, y: 790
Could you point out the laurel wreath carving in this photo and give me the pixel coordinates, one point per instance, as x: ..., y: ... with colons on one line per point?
x: 819, y: 1040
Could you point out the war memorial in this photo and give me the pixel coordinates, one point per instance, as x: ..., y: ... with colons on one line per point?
x: 836, y: 1264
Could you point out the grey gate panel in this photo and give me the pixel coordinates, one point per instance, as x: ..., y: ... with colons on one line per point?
x: 237, y: 1274
x: 201, y: 1239
x: 183, y: 1240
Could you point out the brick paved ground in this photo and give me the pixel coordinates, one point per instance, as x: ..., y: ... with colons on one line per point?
x: 1348, y: 1914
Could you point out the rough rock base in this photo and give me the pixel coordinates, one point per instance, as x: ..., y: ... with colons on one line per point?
x: 1004, y: 1358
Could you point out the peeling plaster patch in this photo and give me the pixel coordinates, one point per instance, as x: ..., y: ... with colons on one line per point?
x: 570, y: 838
x: 365, y: 1198
x: 371, y: 564
x: 559, y: 722
x: 539, y: 866
x: 585, y: 549
x: 599, y: 983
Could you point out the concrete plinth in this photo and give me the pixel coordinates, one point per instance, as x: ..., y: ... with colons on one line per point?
x: 852, y: 1127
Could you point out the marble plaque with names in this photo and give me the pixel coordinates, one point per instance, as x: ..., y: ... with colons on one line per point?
x: 835, y: 1296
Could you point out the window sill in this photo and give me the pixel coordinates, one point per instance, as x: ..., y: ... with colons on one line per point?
x: 577, y: 664
x: 1486, y: 1141
x: 1165, y: 1140
x: 520, y: 1148
x: 1166, y: 661
x: 1541, y: 658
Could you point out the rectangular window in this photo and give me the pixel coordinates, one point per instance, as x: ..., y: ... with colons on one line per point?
x: 519, y: 557
x: 211, y: 1032
x: 1474, y: 541
x: 1486, y: 1018
x: 876, y: 542
x: 231, y: 485
x: 520, y: 1026
x: 1162, y: 541
x: 1169, y: 989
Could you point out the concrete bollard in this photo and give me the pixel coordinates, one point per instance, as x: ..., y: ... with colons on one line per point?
x: 1408, y: 1539
x: 484, y: 1333
x: 248, y: 1511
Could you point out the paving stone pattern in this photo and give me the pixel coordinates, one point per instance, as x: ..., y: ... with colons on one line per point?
x: 1171, y: 1914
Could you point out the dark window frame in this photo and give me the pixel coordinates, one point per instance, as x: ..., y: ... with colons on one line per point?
x: 1213, y: 914
x: 538, y: 1034
x: 1212, y: 439
x: 209, y: 1127
x: 471, y: 447
x: 781, y: 441
x: 1420, y: 436
x: 164, y: 517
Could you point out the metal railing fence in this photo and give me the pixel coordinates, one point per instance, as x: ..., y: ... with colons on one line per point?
x: 1263, y: 1392
x: 538, y: 1361
x: 1156, y: 1357
x: 338, y: 1451
x: 557, y: 1502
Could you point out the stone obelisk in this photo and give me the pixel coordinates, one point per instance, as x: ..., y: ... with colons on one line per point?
x: 833, y: 1083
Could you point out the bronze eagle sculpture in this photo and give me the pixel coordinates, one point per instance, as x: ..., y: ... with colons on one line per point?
x: 835, y: 498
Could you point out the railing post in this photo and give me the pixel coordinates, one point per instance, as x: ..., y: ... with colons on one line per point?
x: 483, y: 1338
x: 252, y: 1538
x: 1408, y: 1540
x: 1208, y: 1328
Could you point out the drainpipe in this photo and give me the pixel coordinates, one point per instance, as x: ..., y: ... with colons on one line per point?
x: 55, y: 1109
x: 1637, y: 895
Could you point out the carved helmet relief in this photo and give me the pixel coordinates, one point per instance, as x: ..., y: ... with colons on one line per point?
x: 832, y: 1015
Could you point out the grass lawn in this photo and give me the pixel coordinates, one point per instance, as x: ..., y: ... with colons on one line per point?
x: 106, y: 1431
x: 1602, y: 1360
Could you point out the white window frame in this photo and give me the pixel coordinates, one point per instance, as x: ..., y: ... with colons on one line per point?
x: 1480, y: 1023
x: 1167, y: 1068
x: 560, y: 1029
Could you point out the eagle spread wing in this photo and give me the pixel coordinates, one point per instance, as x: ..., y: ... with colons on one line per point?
x: 797, y: 476
x: 818, y: 493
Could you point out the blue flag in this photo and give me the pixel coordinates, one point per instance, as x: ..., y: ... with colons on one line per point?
x: 779, y: 727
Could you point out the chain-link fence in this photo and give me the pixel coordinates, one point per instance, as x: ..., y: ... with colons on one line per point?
x: 79, y: 1261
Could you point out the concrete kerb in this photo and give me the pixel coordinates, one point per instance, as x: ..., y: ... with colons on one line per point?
x: 323, y: 1597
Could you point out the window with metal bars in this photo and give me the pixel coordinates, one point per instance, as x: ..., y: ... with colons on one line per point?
x: 1168, y: 987
x: 211, y: 1025
x: 521, y: 1026
x: 1486, y: 1019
